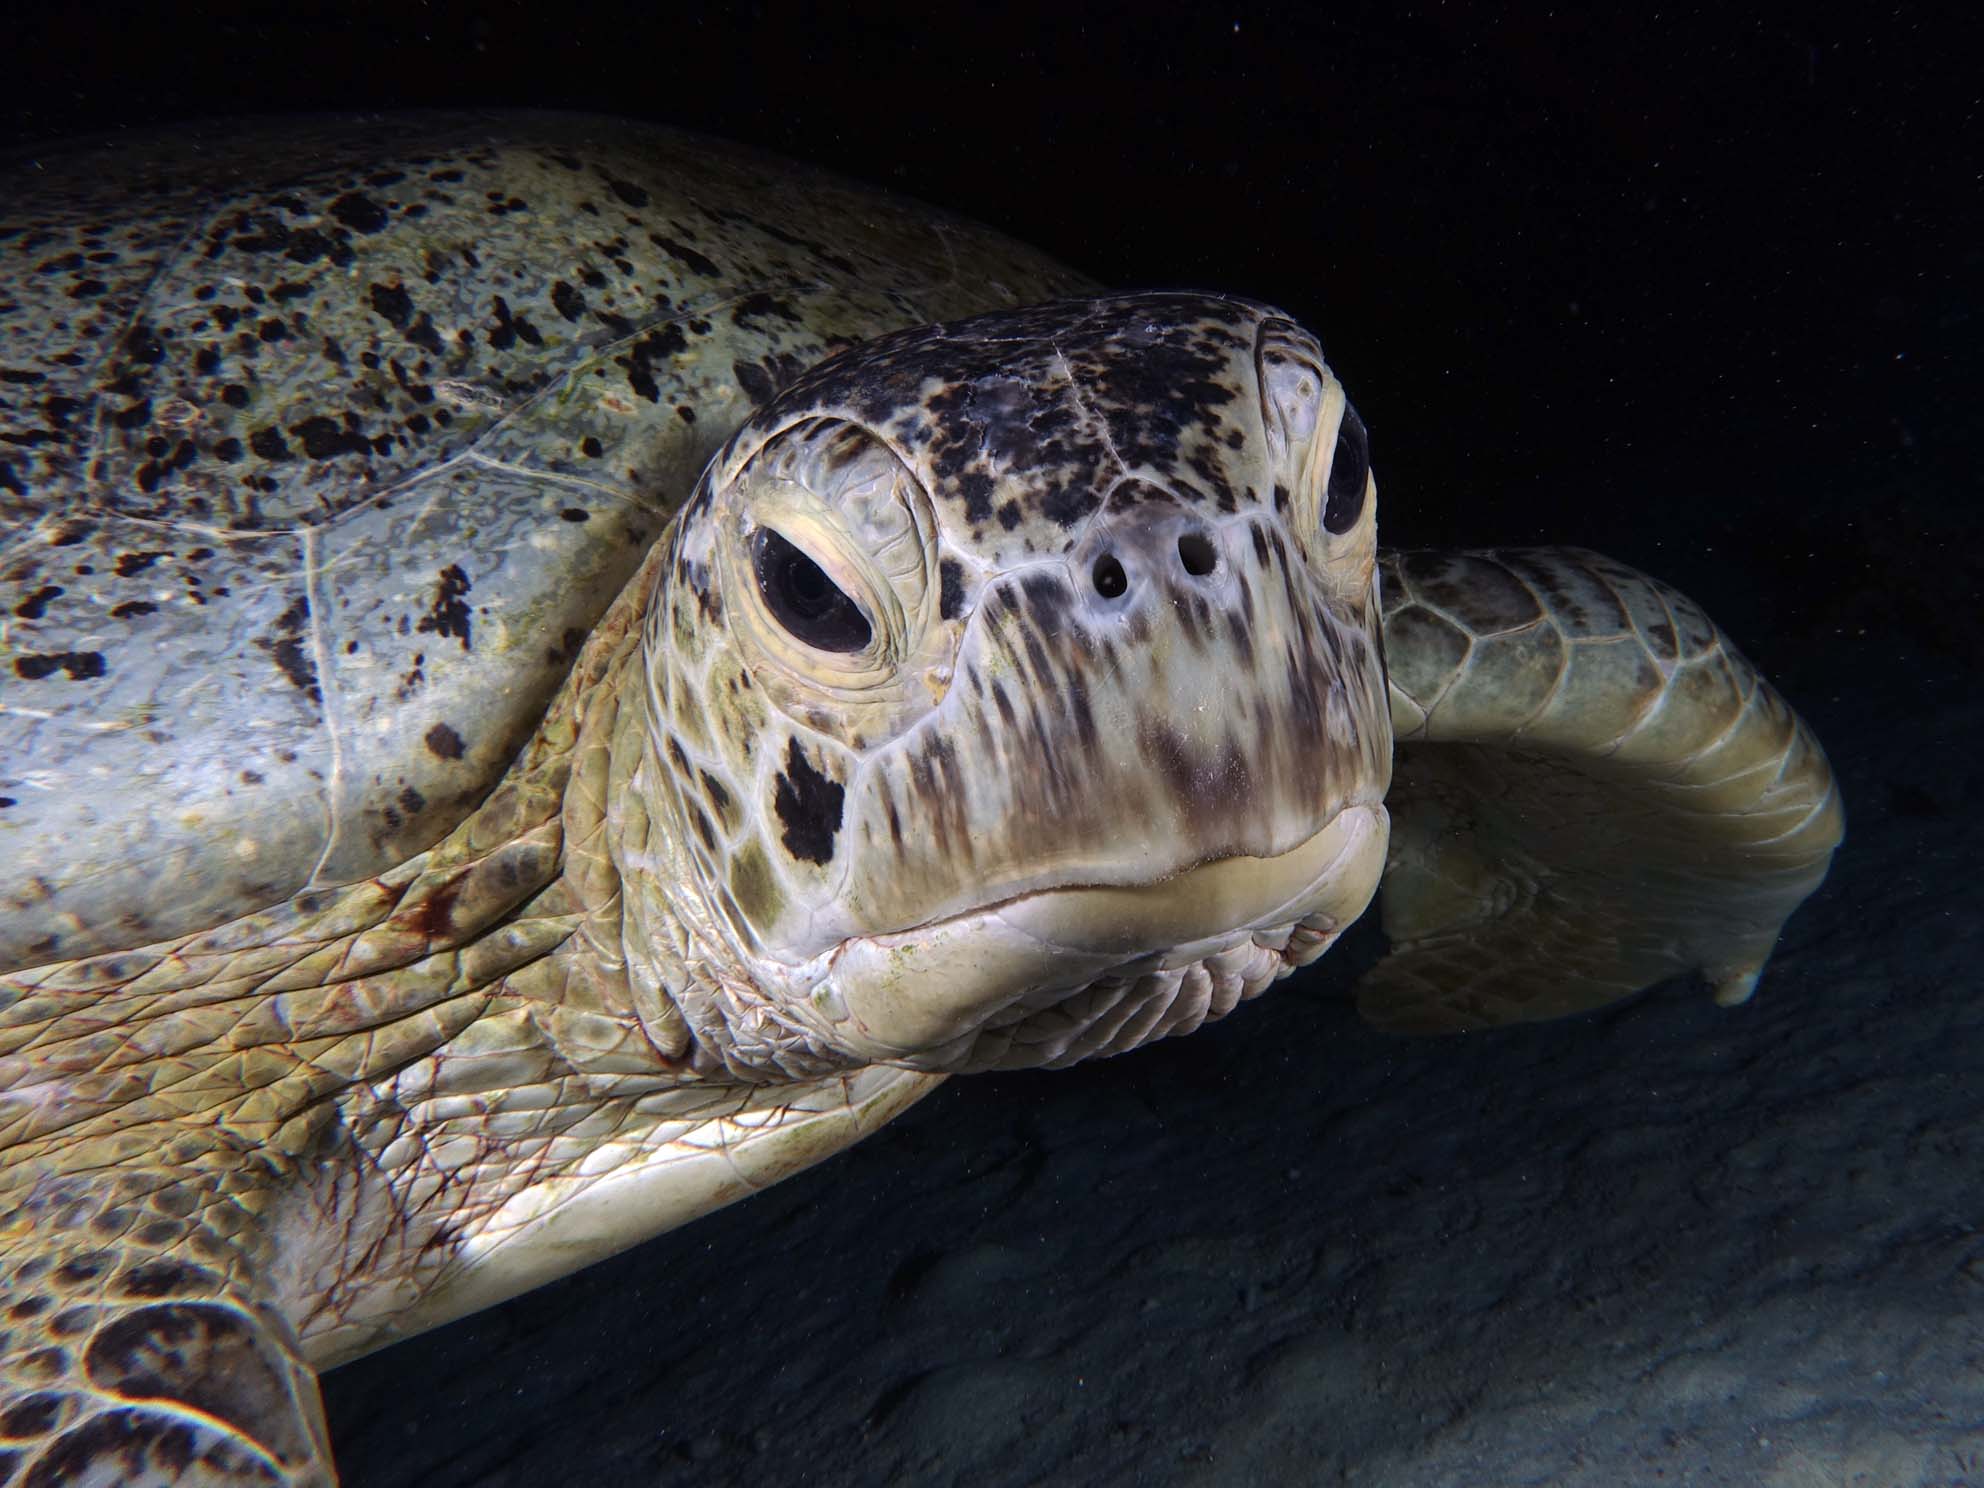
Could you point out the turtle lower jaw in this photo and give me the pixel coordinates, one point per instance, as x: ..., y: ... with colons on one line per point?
x: 1057, y: 975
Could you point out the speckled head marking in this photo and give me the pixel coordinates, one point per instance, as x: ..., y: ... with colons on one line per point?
x: 1016, y: 689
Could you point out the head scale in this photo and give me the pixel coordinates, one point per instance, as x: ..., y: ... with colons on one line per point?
x: 1015, y: 692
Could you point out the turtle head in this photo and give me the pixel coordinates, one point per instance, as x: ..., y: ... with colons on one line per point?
x: 1015, y: 690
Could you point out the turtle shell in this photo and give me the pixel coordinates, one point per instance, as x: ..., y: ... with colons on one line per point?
x: 323, y: 446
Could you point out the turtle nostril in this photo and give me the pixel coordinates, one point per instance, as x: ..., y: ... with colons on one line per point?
x: 1108, y: 576
x: 1196, y: 552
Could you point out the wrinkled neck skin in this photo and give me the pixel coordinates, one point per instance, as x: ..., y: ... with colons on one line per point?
x: 694, y: 988
x: 681, y: 973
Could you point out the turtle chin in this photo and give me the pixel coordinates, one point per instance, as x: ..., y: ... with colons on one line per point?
x: 1062, y: 974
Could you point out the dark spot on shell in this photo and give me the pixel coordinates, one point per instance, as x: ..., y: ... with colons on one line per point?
x: 269, y: 444
x: 448, y: 615
x: 688, y: 257
x: 627, y: 191
x: 443, y: 742
x: 394, y: 303
x: 288, y: 648
x: 359, y: 213
x: 142, y: 344
x: 755, y: 306
x: 423, y: 335
x: 79, y: 665
x: 36, y: 604
x: 323, y: 439
x: 757, y: 386
x: 657, y: 346
x: 511, y: 328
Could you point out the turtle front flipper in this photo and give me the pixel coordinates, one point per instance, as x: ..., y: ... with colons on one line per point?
x: 1593, y: 791
x: 139, y: 1343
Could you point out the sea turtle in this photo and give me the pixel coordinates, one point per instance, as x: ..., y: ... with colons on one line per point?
x: 557, y: 672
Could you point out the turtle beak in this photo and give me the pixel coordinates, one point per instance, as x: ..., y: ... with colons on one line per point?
x: 922, y: 996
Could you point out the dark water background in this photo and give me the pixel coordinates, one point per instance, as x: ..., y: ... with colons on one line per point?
x: 1695, y: 287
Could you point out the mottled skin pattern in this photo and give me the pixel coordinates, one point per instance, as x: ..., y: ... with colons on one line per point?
x: 1008, y: 691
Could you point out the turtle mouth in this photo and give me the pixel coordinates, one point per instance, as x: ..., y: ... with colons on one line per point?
x: 1072, y: 972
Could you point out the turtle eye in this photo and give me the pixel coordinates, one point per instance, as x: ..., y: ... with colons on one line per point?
x: 811, y: 606
x: 1350, y: 469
